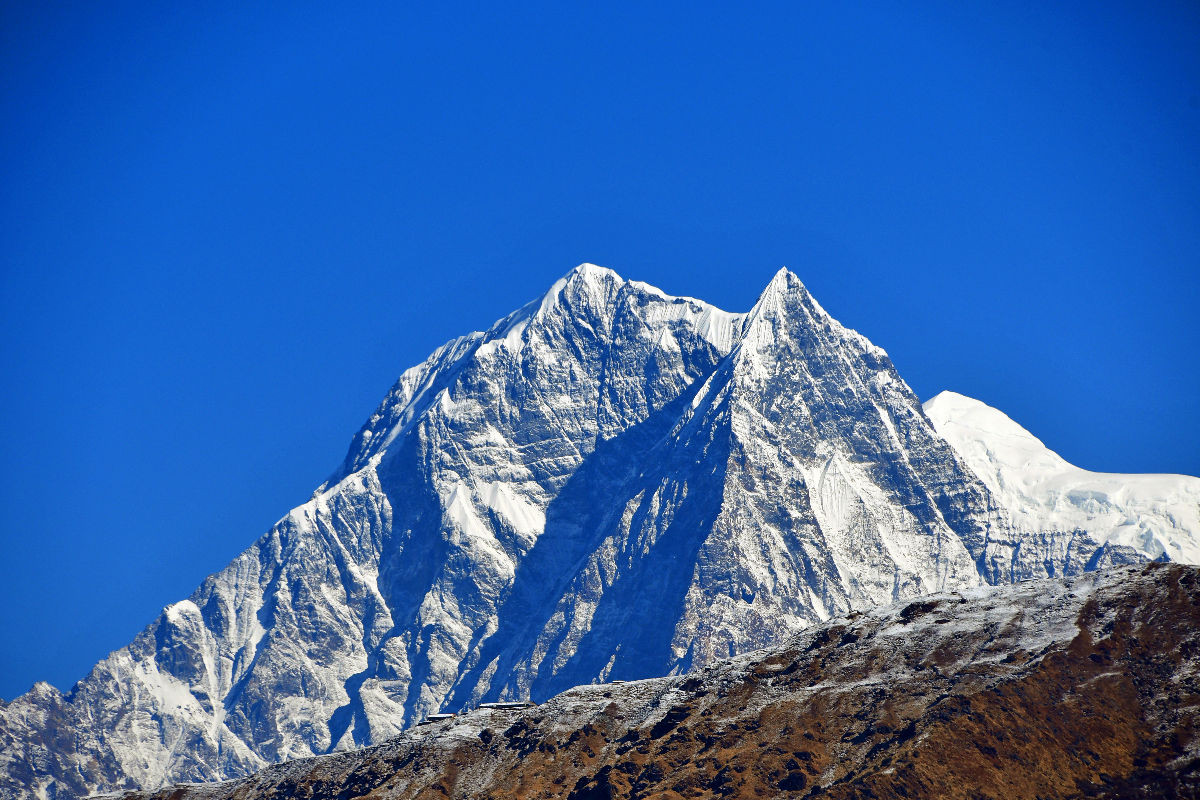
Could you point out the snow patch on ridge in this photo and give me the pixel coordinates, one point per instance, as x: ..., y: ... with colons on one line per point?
x: 524, y: 516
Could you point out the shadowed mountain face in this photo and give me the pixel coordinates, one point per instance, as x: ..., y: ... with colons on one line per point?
x: 1088, y: 687
x: 609, y: 483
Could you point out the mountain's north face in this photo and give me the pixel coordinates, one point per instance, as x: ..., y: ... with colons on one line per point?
x: 609, y: 483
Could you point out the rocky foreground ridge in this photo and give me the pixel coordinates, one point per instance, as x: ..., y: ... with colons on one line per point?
x: 609, y: 483
x: 1088, y: 687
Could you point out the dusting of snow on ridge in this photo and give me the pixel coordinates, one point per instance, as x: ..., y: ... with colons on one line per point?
x: 1155, y: 515
x: 965, y: 683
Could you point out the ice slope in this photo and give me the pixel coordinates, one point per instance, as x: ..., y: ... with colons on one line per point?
x: 1156, y: 515
x: 611, y: 482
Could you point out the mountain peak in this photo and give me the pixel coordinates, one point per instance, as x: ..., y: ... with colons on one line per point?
x: 956, y: 415
x: 585, y: 280
x: 590, y: 271
x: 784, y: 289
x: 589, y: 278
x: 784, y: 278
x: 783, y: 304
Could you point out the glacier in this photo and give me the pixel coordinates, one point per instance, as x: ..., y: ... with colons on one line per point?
x: 1156, y: 515
x: 609, y: 483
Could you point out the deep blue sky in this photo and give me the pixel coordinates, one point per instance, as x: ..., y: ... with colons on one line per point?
x: 224, y: 233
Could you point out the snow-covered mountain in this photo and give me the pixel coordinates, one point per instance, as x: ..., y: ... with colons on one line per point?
x: 1083, y: 687
x: 1156, y: 515
x: 610, y: 482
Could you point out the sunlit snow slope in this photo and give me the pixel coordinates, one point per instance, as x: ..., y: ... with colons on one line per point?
x: 1155, y: 515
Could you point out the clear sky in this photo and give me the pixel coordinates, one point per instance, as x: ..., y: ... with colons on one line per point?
x: 224, y: 233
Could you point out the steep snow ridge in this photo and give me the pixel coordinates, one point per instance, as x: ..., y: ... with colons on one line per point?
x: 827, y: 387
x: 1156, y: 515
x: 417, y: 388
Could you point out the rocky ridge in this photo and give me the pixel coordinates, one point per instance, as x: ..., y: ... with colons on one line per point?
x: 1088, y: 687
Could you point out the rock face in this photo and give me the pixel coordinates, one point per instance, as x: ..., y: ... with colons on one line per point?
x: 1088, y: 687
x: 609, y: 483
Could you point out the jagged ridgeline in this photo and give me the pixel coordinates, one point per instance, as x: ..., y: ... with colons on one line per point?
x: 610, y: 483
